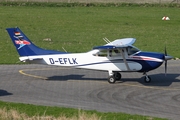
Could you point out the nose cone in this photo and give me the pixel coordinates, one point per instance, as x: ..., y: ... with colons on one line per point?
x: 167, y: 57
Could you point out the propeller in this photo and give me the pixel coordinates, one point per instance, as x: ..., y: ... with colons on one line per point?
x: 166, y: 58
x: 165, y: 54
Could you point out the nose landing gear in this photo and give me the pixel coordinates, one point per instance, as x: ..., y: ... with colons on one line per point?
x: 147, y: 79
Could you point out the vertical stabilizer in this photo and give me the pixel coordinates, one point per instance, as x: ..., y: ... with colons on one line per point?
x: 24, y: 46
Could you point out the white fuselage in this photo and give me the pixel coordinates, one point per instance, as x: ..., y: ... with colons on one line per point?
x: 87, y: 60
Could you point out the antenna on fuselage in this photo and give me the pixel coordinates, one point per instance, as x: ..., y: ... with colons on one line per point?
x: 106, y: 40
x: 64, y: 49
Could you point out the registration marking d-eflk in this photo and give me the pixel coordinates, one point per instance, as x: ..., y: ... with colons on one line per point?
x: 64, y: 61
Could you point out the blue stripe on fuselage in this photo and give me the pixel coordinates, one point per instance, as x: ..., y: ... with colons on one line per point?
x: 148, y: 65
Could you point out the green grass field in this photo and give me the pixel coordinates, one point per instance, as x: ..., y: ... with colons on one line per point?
x: 78, y: 29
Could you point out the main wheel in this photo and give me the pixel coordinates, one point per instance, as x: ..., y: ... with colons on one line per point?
x: 117, y: 76
x: 111, y: 79
x: 147, y: 79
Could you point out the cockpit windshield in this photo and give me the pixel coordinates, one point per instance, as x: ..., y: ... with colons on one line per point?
x: 132, y: 50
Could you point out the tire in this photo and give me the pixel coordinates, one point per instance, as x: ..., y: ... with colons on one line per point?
x: 117, y: 76
x: 147, y: 79
x: 111, y: 79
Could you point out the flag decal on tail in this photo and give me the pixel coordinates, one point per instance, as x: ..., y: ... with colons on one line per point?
x: 20, y: 40
x: 22, y: 43
x: 17, y: 33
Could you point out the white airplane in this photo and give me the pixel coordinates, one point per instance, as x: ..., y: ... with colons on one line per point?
x: 114, y: 57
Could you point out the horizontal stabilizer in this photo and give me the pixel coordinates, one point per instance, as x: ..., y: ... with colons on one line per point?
x: 23, y: 59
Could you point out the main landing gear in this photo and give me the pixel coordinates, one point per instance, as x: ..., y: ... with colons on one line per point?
x: 113, y: 76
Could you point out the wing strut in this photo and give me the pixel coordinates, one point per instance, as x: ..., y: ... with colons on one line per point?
x: 124, y: 59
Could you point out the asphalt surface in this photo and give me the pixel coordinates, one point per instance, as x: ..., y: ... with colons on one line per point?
x: 86, y: 89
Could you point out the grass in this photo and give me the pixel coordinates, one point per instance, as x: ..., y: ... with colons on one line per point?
x: 19, y: 111
x: 15, y: 115
x: 78, y: 29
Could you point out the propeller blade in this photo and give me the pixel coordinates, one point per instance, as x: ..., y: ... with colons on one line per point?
x: 166, y: 58
x: 165, y: 67
x: 165, y: 54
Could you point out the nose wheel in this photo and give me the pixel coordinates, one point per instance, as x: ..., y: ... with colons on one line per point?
x: 147, y: 79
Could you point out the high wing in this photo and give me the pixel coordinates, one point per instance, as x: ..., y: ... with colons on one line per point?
x: 119, y: 43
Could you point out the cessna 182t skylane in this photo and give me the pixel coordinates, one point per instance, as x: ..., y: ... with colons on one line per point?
x: 114, y: 57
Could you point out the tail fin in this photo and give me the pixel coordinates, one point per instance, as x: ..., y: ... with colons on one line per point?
x: 24, y: 46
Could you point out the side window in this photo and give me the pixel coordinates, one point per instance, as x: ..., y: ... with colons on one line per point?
x: 110, y: 53
x: 102, y: 53
x: 114, y: 53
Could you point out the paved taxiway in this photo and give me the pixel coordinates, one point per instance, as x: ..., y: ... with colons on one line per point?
x: 87, y: 89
